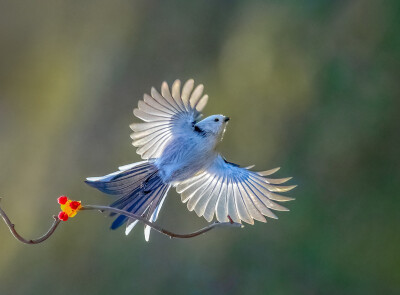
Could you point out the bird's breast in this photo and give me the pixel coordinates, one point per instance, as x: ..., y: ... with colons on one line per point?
x: 183, y: 158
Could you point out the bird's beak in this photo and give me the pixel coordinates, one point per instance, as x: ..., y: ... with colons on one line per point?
x: 227, y: 119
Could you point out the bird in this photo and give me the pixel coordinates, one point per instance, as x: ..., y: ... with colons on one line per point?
x: 179, y: 150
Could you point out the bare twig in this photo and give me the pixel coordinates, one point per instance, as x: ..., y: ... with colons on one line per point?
x: 16, y: 235
x: 168, y: 233
x: 158, y: 228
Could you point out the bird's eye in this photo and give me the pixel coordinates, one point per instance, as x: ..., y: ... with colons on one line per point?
x: 216, y: 120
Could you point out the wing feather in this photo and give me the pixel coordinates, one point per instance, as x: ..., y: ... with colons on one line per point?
x: 241, y: 207
x: 176, y: 94
x: 181, y: 187
x: 144, y: 107
x: 154, y: 150
x: 156, y: 105
x: 137, y: 127
x: 269, y: 194
x: 258, y: 196
x: 211, y: 205
x: 208, y: 194
x: 166, y: 101
x: 251, y: 208
x: 198, y: 193
x: 164, y: 116
x: 148, y: 117
x: 194, y: 99
x: 186, y: 90
x: 167, y: 95
x: 231, y: 203
x: 202, y: 103
x: 278, y: 180
x: 189, y: 193
x: 269, y: 172
x: 225, y: 189
x: 221, y: 211
x: 143, y: 140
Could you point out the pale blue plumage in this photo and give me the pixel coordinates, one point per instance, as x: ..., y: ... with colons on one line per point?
x: 180, y: 151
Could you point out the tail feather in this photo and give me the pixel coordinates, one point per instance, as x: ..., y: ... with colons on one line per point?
x: 124, y: 181
x: 141, y: 191
x: 153, y: 216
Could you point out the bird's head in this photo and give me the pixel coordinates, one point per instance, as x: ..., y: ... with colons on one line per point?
x: 213, y: 126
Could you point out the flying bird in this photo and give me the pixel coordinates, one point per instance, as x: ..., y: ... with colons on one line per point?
x: 179, y: 150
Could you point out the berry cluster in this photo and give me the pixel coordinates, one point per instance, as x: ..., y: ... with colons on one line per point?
x: 69, y: 208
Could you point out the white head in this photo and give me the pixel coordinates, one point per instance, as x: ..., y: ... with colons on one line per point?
x: 212, y: 127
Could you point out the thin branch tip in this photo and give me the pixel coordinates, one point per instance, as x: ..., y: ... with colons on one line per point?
x: 158, y: 228
x: 102, y: 209
x: 11, y: 227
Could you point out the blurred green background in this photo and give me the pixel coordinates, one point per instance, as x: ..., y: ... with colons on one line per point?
x: 311, y: 86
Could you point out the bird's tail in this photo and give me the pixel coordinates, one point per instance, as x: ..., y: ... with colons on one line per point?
x: 140, y: 190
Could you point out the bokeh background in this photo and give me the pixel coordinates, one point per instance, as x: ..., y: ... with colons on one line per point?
x: 311, y: 86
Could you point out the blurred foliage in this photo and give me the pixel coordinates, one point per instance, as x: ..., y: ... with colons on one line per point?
x: 312, y: 86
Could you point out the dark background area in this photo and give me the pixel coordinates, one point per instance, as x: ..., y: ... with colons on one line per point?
x: 311, y: 86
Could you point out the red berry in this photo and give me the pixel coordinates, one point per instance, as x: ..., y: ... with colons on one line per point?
x: 74, y: 205
x: 62, y: 200
x: 63, y: 216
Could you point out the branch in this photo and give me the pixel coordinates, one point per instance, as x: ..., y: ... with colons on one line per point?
x: 16, y: 235
x: 166, y: 232
x: 160, y: 229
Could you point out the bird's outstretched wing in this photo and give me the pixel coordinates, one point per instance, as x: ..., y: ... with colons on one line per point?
x: 227, y: 189
x: 165, y: 115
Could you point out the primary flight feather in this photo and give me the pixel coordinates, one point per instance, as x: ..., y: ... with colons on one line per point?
x: 179, y: 151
